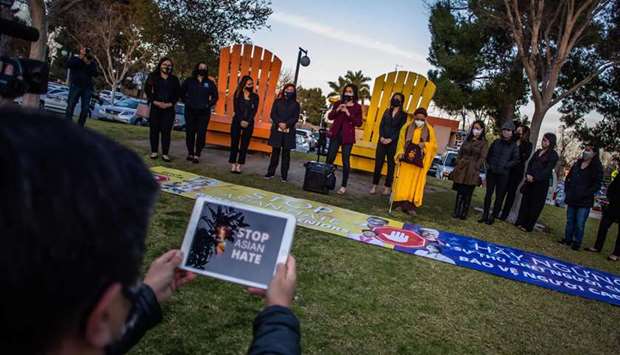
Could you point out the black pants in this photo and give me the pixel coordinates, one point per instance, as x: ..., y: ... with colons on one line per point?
x: 514, y: 179
x: 84, y: 95
x: 495, y: 183
x: 239, y: 142
x: 160, y: 125
x: 275, y: 159
x: 196, y: 123
x: 532, y: 204
x: 603, y: 228
x: 334, y: 145
x: 384, y: 151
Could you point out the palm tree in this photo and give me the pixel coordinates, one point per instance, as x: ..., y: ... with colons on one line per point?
x: 357, y: 78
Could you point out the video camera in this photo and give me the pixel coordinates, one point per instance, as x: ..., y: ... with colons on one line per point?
x: 19, y: 76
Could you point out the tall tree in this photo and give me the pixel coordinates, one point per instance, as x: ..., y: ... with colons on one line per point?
x: 546, y: 33
x: 313, y: 104
x: 356, y: 78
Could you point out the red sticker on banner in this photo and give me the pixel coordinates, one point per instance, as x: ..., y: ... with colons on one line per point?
x: 161, y: 178
x: 401, y: 237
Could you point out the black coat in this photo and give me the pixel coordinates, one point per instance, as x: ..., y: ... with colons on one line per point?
x: 199, y: 95
x: 391, y: 125
x: 245, y: 110
x: 163, y: 90
x: 525, y: 150
x: 284, y: 111
x: 541, y: 167
x: 81, y: 74
x: 276, y: 329
x: 581, y: 184
x: 612, y: 210
x: 502, y: 156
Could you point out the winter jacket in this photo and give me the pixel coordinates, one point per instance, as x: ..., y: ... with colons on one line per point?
x: 612, y: 210
x: 469, y: 161
x: 541, y: 167
x: 581, y: 184
x: 163, y: 90
x: 284, y: 111
x: 199, y: 95
x: 245, y: 110
x: 82, y: 74
x: 276, y: 329
x: 502, y: 156
x: 391, y: 125
x: 344, y: 124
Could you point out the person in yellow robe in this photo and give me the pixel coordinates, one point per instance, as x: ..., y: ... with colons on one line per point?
x: 408, y: 189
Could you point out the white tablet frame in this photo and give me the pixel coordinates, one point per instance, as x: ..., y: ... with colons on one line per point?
x: 285, y: 247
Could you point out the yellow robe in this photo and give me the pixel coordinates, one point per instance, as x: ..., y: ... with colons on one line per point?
x: 410, y: 179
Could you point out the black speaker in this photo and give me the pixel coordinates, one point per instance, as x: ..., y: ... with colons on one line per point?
x: 319, y: 177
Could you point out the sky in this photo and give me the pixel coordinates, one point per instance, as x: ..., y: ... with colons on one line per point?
x: 373, y: 36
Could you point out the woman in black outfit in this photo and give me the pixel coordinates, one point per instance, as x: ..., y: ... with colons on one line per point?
x: 199, y: 94
x: 522, y: 138
x: 246, y: 106
x: 392, y: 121
x: 162, y: 90
x: 284, y: 117
x: 536, y: 184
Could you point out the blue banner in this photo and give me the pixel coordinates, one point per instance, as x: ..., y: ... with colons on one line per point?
x: 508, y: 262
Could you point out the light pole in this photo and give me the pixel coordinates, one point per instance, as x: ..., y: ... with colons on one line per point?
x: 303, y: 60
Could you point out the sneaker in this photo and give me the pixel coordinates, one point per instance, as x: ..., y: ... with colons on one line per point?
x: 592, y: 249
x: 165, y: 158
x: 563, y: 241
x: 190, y: 158
x: 195, y: 160
x: 269, y: 176
x: 575, y: 247
x: 153, y: 156
x: 284, y: 180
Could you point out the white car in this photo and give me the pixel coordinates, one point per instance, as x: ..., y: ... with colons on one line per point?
x: 122, y: 111
x: 107, y: 95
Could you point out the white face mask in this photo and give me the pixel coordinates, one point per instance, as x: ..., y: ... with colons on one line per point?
x: 476, y: 132
x: 419, y: 123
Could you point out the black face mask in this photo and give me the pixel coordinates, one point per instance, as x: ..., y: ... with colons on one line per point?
x: 249, y: 88
x: 288, y: 95
x: 395, y: 102
x: 202, y: 72
x: 166, y: 70
x: 347, y: 97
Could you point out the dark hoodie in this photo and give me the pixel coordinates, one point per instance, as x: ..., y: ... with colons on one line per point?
x: 503, y: 153
x: 199, y: 95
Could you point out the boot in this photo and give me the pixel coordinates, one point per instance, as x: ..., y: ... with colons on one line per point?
x: 458, y: 204
x: 465, y: 207
x: 485, y: 217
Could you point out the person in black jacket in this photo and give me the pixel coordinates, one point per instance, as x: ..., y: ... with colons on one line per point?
x: 392, y: 121
x: 611, y: 215
x: 581, y: 184
x: 72, y: 252
x: 501, y: 157
x: 163, y: 91
x: 83, y: 69
x: 245, y: 102
x: 284, y: 117
x: 522, y: 138
x: 199, y: 93
x: 536, y: 184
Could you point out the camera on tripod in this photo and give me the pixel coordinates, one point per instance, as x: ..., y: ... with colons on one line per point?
x: 19, y: 76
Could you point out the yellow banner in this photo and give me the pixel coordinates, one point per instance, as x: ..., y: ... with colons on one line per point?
x: 309, y: 214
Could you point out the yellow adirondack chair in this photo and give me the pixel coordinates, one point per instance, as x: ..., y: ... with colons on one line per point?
x: 264, y: 68
x: 418, y: 92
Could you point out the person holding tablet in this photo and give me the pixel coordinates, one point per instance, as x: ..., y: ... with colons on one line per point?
x: 245, y: 102
x: 86, y: 297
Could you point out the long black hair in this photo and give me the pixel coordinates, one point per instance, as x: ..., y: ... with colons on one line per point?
x: 355, y: 92
x: 281, y: 93
x: 158, y: 67
x: 195, y: 71
x: 244, y: 80
x: 483, y: 135
x: 553, y: 140
x: 525, y: 135
x: 402, y: 98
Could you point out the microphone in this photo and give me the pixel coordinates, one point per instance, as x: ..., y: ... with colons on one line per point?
x: 17, y: 30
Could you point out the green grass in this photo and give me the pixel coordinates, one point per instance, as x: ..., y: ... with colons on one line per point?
x: 358, y: 299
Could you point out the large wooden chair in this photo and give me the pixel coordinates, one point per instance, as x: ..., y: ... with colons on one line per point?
x: 264, y: 68
x: 418, y: 92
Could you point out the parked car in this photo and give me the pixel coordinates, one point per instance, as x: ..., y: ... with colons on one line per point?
x: 307, y: 135
x: 107, y: 95
x: 559, y: 196
x: 121, y: 111
x: 302, y: 144
x: 432, y: 171
x: 447, y: 164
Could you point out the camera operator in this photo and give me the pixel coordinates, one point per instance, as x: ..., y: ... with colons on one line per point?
x: 83, y: 69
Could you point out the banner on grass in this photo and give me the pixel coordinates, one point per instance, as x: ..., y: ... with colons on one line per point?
x: 430, y: 243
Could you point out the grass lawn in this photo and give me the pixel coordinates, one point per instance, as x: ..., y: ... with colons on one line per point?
x: 358, y: 299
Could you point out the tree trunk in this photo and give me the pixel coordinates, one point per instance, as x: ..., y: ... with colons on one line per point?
x: 5, y: 13
x: 113, y: 93
x: 38, y: 49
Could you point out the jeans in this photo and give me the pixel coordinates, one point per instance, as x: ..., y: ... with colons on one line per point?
x: 576, y: 218
x: 497, y: 183
x: 160, y: 125
x: 239, y: 142
x: 384, y: 151
x: 78, y: 93
x: 334, y: 145
x: 603, y: 228
x: 275, y: 159
x: 196, y: 123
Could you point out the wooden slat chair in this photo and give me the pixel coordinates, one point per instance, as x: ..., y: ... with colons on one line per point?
x: 418, y: 92
x: 264, y: 68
